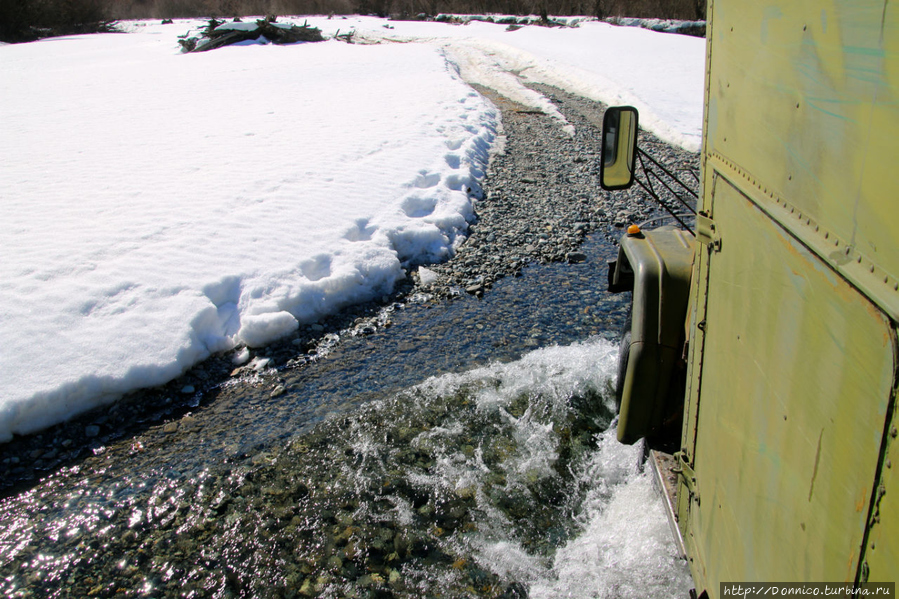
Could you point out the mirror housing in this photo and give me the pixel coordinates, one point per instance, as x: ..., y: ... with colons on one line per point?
x: 619, y: 147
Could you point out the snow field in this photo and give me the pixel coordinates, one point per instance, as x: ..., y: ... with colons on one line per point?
x: 160, y: 207
x: 659, y: 74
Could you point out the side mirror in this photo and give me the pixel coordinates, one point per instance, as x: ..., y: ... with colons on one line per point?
x: 619, y: 147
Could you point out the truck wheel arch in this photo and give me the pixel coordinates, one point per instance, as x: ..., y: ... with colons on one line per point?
x: 657, y: 267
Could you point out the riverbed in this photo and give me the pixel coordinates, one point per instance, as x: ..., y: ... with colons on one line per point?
x: 450, y: 440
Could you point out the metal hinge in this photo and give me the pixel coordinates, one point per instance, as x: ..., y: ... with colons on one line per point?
x: 685, y: 471
x: 707, y: 232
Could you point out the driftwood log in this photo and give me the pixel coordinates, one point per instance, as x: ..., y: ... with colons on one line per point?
x: 214, y: 37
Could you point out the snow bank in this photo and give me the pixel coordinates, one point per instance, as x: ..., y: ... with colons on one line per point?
x: 159, y: 207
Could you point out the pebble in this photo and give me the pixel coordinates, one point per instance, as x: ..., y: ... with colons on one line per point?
x: 544, y: 215
x: 91, y: 431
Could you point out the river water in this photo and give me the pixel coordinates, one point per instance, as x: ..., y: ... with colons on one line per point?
x: 462, y: 451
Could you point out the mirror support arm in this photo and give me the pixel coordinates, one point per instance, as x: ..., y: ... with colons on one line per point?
x: 665, y: 206
x: 668, y: 187
x: 647, y: 187
x: 669, y: 173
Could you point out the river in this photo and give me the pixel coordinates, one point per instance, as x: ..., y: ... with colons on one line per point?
x: 447, y: 444
x: 441, y: 456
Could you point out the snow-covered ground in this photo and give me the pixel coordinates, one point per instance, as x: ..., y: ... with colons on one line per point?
x: 159, y: 206
x: 661, y: 75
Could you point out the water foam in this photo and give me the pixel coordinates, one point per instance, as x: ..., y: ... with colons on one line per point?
x: 605, y: 534
x: 625, y: 548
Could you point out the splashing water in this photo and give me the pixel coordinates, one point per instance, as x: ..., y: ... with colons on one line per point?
x: 503, y: 481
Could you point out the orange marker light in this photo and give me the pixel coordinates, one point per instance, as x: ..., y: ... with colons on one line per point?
x: 633, y: 230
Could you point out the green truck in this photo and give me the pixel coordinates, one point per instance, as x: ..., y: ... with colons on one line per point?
x: 761, y: 361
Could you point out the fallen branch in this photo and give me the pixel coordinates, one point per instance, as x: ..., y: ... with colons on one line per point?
x: 218, y: 34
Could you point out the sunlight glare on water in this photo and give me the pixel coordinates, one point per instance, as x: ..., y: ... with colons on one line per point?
x: 502, y: 481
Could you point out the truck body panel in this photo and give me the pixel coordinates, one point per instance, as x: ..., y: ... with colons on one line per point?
x: 788, y: 459
x: 803, y: 104
x: 796, y: 383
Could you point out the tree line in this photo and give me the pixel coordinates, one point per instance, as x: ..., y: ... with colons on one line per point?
x: 24, y: 20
